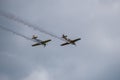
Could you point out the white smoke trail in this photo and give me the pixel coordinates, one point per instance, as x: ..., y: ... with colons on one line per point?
x: 12, y: 17
x: 18, y: 34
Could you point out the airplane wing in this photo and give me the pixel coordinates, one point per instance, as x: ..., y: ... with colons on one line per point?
x: 36, y: 44
x: 46, y: 41
x: 64, y: 44
x: 76, y: 39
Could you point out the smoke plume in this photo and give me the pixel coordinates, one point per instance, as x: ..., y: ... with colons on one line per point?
x: 15, y: 18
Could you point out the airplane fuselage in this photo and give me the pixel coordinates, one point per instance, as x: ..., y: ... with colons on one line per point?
x: 70, y: 41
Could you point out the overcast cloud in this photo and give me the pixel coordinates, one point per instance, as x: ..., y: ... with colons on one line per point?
x: 96, y: 56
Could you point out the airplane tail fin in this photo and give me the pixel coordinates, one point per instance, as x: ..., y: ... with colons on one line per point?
x: 64, y: 36
x: 34, y: 37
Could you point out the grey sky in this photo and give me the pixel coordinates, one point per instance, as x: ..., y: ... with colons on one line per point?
x: 96, y: 57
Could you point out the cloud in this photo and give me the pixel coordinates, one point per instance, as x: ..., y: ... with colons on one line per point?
x: 14, y: 66
x: 3, y: 77
x: 38, y: 75
x: 96, y: 55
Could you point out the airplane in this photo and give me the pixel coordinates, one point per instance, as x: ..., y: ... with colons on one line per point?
x: 69, y: 41
x: 39, y: 42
